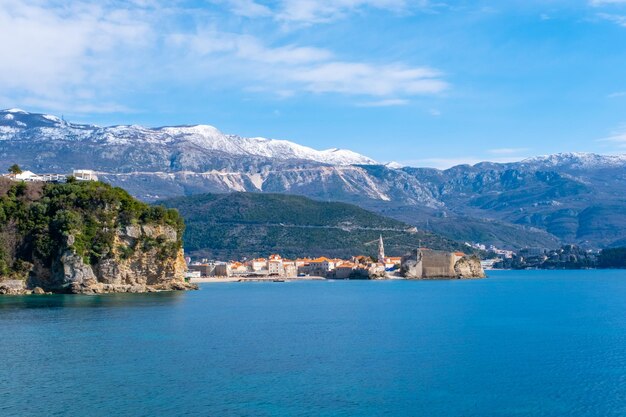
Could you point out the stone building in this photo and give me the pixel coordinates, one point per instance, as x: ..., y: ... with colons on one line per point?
x: 432, y: 264
x: 205, y: 269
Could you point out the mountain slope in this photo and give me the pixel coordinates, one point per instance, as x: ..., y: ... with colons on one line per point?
x: 235, y: 225
x: 542, y: 201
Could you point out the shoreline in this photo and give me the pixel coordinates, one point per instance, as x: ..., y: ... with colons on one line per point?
x: 254, y: 279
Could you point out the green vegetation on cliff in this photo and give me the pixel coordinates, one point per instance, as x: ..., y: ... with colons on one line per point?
x: 39, y: 220
x: 235, y: 225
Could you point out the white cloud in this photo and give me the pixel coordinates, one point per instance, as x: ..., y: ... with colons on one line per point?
x: 249, y: 8
x: 617, y: 138
x: 615, y: 18
x: 91, y: 55
x: 390, y: 102
x: 65, y: 54
x: 317, y: 11
x: 208, y: 42
x: 617, y: 94
x: 294, y: 68
x: 369, y: 79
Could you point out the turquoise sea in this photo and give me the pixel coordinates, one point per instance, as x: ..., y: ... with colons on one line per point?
x: 529, y: 343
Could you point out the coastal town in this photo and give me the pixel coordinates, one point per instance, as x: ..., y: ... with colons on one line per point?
x: 277, y: 267
x: 422, y: 263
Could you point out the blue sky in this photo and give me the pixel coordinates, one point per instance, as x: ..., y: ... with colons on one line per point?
x: 424, y: 83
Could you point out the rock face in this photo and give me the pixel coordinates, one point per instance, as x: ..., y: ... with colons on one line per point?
x: 13, y: 287
x: 469, y: 267
x: 86, y: 238
x: 142, y: 270
x: 429, y: 264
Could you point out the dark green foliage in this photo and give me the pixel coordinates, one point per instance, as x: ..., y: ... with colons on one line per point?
x: 612, y: 258
x: 36, y: 221
x: 230, y: 226
x: 15, y: 169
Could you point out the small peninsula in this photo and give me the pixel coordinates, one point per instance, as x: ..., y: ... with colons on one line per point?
x: 86, y: 237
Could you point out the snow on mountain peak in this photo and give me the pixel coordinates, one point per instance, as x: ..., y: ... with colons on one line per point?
x: 200, y: 137
x: 394, y: 165
x: 14, y: 110
x: 578, y: 160
x: 209, y: 137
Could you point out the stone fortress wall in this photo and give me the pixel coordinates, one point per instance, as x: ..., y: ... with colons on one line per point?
x: 432, y: 264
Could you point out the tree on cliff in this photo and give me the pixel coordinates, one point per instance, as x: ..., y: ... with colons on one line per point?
x: 39, y: 221
x: 15, y: 169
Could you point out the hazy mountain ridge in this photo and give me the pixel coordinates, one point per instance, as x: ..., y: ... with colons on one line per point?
x: 541, y: 201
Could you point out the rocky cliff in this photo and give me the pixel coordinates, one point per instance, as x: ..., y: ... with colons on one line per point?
x: 469, y: 267
x: 430, y: 264
x: 86, y: 238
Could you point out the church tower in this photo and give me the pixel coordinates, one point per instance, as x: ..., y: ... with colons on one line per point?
x: 381, y: 250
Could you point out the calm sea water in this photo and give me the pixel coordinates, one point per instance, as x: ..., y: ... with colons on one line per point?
x: 525, y: 343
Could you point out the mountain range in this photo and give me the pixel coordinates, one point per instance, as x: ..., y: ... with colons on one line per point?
x: 542, y: 201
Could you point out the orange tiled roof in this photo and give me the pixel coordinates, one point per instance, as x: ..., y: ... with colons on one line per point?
x: 320, y: 259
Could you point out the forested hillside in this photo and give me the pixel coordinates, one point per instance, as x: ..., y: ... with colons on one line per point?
x: 231, y: 226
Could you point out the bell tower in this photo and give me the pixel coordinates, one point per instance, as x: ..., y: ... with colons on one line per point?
x: 381, y: 250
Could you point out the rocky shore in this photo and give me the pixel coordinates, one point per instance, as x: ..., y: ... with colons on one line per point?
x: 19, y: 288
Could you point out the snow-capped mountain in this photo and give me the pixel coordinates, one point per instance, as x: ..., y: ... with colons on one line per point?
x: 14, y: 123
x: 577, y: 160
x: 541, y: 201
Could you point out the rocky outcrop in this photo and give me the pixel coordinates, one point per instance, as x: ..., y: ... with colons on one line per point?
x: 86, y: 237
x: 13, y: 287
x: 429, y: 264
x: 133, y: 267
x: 469, y: 267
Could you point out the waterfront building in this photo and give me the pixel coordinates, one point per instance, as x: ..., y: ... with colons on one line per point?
x: 237, y: 268
x: 275, y: 265
x: 321, y: 266
x: 258, y: 265
x: 344, y: 270
x: 222, y: 270
x: 289, y: 268
x: 206, y: 269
